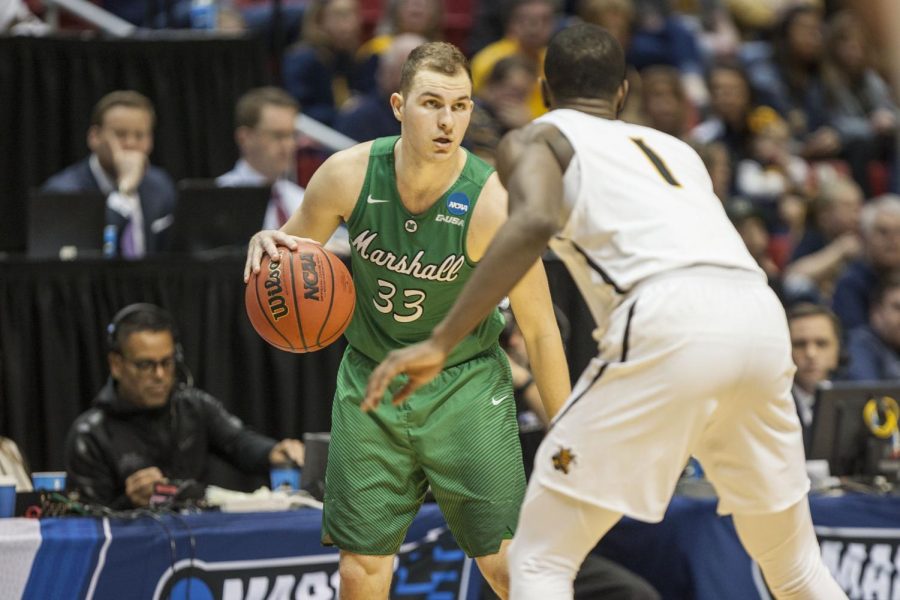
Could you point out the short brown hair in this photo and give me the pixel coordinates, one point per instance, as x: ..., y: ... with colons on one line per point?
x: 249, y: 107
x: 801, y: 310
x: 128, y: 98
x: 439, y: 57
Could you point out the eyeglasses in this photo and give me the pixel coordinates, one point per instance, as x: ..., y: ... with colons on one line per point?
x: 148, y: 366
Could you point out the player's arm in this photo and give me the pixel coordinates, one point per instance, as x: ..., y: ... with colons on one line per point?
x: 329, y: 198
x: 530, y: 301
x: 534, y: 175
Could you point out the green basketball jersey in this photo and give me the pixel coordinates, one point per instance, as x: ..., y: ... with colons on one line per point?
x: 408, y: 269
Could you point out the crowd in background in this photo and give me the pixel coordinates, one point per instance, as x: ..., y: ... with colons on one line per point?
x: 785, y: 101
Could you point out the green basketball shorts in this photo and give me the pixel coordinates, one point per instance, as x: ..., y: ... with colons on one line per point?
x: 457, y: 434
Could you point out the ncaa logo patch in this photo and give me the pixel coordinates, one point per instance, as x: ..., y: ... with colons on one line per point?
x: 458, y: 204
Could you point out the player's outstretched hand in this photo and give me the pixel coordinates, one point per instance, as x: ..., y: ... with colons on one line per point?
x: 420, y: 362
x: 267, y: 242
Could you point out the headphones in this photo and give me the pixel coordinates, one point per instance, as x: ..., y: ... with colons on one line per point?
x: 161, y: 315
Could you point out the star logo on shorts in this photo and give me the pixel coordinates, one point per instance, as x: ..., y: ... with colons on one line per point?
x: 563, y: 459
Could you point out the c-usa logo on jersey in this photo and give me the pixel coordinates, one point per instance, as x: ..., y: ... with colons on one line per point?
x: 458, y: 204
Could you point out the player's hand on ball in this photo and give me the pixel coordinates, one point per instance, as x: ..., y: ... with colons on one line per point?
x: 420, y: 362
x: 267, y: 242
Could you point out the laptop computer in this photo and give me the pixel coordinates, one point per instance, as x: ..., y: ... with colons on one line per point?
x: 210, y: 219
x: 65, y: 225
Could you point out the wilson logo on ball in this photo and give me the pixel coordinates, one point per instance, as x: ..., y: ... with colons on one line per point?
x: 310, y: 276
x: 277, y: 303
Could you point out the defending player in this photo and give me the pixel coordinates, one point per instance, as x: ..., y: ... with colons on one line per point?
x: 695, y: 354
x: 421, y: 211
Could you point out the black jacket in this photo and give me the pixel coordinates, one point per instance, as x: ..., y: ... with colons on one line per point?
x: 114, y: 439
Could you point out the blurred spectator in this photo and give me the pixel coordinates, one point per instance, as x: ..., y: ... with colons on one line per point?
x: 371, y: 116
x: 880, y: 224
x: 617, y: 16
x: 144, y: 429
x: 529, y: 25
x: 13, y: 464
x: 830, y: 241
x: 660, y: 37
x: 874, y: 348
x: 862, y: 110
x: 140, y: 197
x: 790, y: 81
x: 664, y: 104
x: 322, y: 71
x: 716, y: 160
x: 756, y: 16
x: 770, y: 170
x: 501, y: 106
x: 731, y: 101
x: 751, y: 225
x: 815, y: 348
x: 423, y: 18
x: 264, y: 119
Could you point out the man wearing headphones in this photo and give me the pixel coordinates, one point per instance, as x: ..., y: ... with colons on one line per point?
x: 142, y: 429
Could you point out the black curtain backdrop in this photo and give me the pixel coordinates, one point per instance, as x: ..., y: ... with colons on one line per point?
x: 53, y: 317
x: 48, y: 87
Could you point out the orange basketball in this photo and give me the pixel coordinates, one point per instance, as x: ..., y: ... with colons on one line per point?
x: 304, y: 301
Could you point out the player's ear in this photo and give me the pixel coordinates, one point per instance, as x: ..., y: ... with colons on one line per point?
x: 621, y: 96
x: 546, y: 95
x: 396, y: 105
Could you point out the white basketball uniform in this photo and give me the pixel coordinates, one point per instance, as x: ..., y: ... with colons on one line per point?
x: 694, y: 347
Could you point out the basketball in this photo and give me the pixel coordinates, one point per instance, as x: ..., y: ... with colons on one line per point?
x: 304, y: 301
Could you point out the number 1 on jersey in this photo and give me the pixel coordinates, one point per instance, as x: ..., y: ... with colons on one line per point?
x: 657, y: 162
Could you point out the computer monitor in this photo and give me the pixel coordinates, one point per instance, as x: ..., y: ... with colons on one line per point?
x: 852, y: 428
x: 212, y: 218
x: 315, y: 462
x: 66, y: 225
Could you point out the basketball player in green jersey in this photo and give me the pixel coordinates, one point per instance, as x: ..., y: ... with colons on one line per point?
x: 421, y: 211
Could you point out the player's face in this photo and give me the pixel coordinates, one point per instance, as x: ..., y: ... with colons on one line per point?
x: 814, y: 348
x: 270, y: 147
x: 145, y: 368
x: 132, y: 127
x: 435, y: 114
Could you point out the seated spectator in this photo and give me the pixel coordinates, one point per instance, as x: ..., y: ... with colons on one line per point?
x: 830, y: 240
x: 528, y: 27
x: 423, y: 18
x: 501, y: 106
x: 731, y: 102
x: 717, y: 161
x: 12, y: 464
x: 751, y: 225
x: 815, y: 348
x: 880, y: 227
x: 660, y: 37
x: 790, y: 80
x: 861, y: 108
x: 322, y: 72
x: 267, y: 141
x: 140, y: 198
x: 874, y: 348
x: 617, y: 16
x: 371, y: 115
x: 143, y: 429
x: 770, y: 170
x: 663, y: 102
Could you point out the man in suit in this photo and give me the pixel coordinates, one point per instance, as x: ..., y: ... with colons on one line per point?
x: 140, y: 197
x: 267, y: 141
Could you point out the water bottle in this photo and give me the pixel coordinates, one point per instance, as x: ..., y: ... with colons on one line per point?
x: 204, y: 14
x: 110, y: 241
